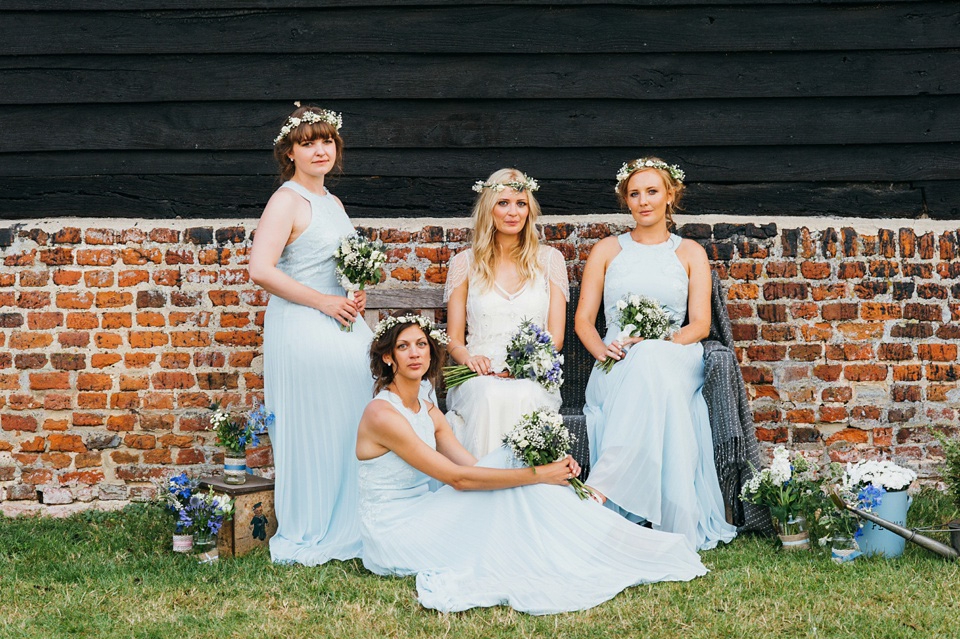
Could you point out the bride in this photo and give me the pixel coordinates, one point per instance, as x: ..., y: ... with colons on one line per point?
x: 489, y: 536
x: 506, y: 276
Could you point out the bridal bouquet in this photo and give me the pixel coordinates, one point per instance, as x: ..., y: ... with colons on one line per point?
x: 541, y: 438
x: 358, y: 264
x: 530, y: 355
x: 639, y: 316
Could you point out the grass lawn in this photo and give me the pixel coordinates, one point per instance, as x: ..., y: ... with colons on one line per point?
x: 113, y: 575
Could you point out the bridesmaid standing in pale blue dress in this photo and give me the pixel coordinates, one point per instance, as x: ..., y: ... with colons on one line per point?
x: 316, y: 377
x: 651, y: 447
x: 497, y: 532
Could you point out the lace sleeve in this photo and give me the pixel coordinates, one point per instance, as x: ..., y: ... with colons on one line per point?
x: 557, y: 272
x: 457, y: 273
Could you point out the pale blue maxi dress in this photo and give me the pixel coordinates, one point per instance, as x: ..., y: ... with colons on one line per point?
x: 317, y: 381
x: 651, y: 447
x: 538, y: 549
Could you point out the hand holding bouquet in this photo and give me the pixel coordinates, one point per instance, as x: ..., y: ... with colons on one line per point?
x: 639, y: 316
x: 530, y: 355
x: 358, y: 264
x: 541, y: 438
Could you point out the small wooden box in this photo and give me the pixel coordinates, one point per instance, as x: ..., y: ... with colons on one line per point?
x: 254, y: 519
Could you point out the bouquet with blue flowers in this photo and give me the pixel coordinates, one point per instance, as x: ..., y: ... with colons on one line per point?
x: 175, y: 494
x: 204, y: 514
x: 530, y: 355
x: 235, y: 432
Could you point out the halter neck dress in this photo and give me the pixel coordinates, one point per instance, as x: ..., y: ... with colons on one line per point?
x: 316, y: 381
x: 538, y: 549
x: 651, y: 447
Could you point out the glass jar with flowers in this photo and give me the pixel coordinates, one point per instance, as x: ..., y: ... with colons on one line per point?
x: 203, y: 515
x: 880, y: 486
x: 235, y: 432
x: 790, y: 489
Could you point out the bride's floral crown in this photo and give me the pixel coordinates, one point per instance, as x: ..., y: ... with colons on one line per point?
x: 332, y: 118
x: 646, y: 163
x: 436, y: 333
x: 527, y: 183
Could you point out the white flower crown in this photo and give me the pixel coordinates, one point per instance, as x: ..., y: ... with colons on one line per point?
x: 436, y: 333
x: 527, y: 183
x: 309, y: 117
x: 646, y: 163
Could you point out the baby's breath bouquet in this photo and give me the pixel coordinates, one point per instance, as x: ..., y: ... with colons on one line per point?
x: 358, y: 264
x: 530, y: 355
x: 790, y: 487
x: 640, y: 316
x: 541, y: 438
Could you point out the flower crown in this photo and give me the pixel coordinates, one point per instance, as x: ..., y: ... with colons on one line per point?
x: 436, y: 333
x: 332, y: 118
x: 646, y: 163
x: 527, y: 183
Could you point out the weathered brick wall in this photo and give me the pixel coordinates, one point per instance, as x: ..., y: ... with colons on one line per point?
x: 116, y: 336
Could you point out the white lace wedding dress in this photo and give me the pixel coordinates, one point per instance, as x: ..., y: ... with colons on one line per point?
x: 483, y: 409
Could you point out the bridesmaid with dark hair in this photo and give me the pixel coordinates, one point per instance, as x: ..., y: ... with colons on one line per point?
x: 316, y: 379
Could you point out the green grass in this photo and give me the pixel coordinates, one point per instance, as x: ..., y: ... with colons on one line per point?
x: 113, y: 575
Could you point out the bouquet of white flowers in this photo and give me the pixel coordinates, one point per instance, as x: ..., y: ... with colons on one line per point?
x: 789, y: 487
x: 640, y: 316
x: 358, y: 264
x: 541, y: 438
x: 530, y: 355
x: 883, y: 475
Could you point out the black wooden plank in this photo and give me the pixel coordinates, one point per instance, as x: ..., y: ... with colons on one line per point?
x: 158, y: 5
x: 140, y: 78
x: 942, y: 199
x: 493, y: 123
x: 575, y: 29
x: 848, y: 163
x: 231, y: 196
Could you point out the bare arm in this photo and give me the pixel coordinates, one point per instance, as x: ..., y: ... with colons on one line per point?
x: 557, y: 315
x: 447, y: 443
x: 694, y: 258
x: 383, y: 428
x: 273, y: 234
x: 457, y: 331
x: 591, y: 296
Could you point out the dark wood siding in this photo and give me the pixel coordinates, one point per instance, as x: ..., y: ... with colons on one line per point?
x: 796, y: 107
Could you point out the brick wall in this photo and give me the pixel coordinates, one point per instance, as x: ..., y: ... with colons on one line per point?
x: 116, y: 335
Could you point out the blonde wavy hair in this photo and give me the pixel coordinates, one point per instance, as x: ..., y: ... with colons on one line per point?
x: 485, y: 253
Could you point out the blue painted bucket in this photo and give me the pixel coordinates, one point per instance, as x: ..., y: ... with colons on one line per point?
x: 877, y: 540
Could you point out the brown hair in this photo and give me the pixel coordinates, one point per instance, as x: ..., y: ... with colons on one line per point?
x: 383, y: 373
x: 668, y: 180
x: 305, y: 132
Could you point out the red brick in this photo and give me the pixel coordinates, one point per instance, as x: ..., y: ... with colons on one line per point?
x: 743, y: 291
x: 405, y: 274
x: 68, y: 361
x: 171, y: 380
x: 744, y: 332
x: 94, y: 381
x: 161, y: 456
x: 829, y: 292
x: 908, y: 373
x: 923, y: 312
x: 895, y: 352
x: 53, y: 401
x: 121, y: 423
x: 164, y: 236
x: 839, y: 311
x: 102, y: 360
x: 238, y: 338
x: 943, y: 372
x: 906, y: 393
x: 27, y: 361
x: 772, y: 435
x: 69, y: 443
x: 125, y: 401
x: 241, y: 359
x: 113, y: 299
x: 864, y: 372
x: 800, y: 416
x: 57, y: 256
x: 766, y: 352
x: 87, y: 419
x: 852, y: 435
x: 33, y: 299
x: 124, y: 457
x: 816, y: 332
x: 937, y: 352
x: 147, y: 339
x: 139, y: 360
x: 190, y: 456
x: 158, y: 401
x: 852, y: 270
x: 187, y: 339
x: 166, y: 277
x: 778, y: 333
x: 157, y: 422
x: 36, y: 477
x: 88, y: 460
x: 833, y: 414
x: 49, y: 381
x: 143, y: 442
x: 91, y: 401
x: 224, y: 298
x: 827, y: 372
x: 141, y: 256
x: 132, y: 278
x: 116, y: 320
x: 837, y: 394
x: 33, y: 278
x: 815, y: 270
x: 82, y: 321
x: 107, y: 340
x: 175, y: 360
x: 150, y: 318
x: 806, y: 352
x: 858, y: 331
x: 18, y: 423
x: 75, y: 300
x: 772, y: 312
x: 880, y: 311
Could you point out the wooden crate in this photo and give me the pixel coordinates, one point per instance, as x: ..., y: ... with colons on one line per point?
x: 254, y: 519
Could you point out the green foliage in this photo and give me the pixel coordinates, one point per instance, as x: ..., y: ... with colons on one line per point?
x: 113, y: 575
x: 951, y: 465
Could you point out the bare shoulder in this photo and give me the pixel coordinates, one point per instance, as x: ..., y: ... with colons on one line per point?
x: 285, y: 201
x: 339, y: 202
x: 692, y: 251
x: 606, y: 248
x: 379, y: 414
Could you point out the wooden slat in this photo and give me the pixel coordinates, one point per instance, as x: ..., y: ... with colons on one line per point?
x: 418, y: 298
x: 158, y: 5
x: 114, y: 79
x: 835, y: 163
x: 501, y: 123
x: 232, y: 196
x: 481, y: 29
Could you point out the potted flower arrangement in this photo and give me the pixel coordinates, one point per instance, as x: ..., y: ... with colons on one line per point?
x: 175, y: 495
x: 880, y: 487
x: 790, y: 489
x: 235, y: 432
x: 203, y: 515
x: 837, y: 527
x: 951, y: 475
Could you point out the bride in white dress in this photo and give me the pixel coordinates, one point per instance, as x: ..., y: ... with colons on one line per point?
x: 507, y: 276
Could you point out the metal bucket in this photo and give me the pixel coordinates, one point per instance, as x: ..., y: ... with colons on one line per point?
x: 954, y: 527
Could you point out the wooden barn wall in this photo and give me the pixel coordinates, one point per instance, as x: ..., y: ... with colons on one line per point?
x: 168, y: 108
